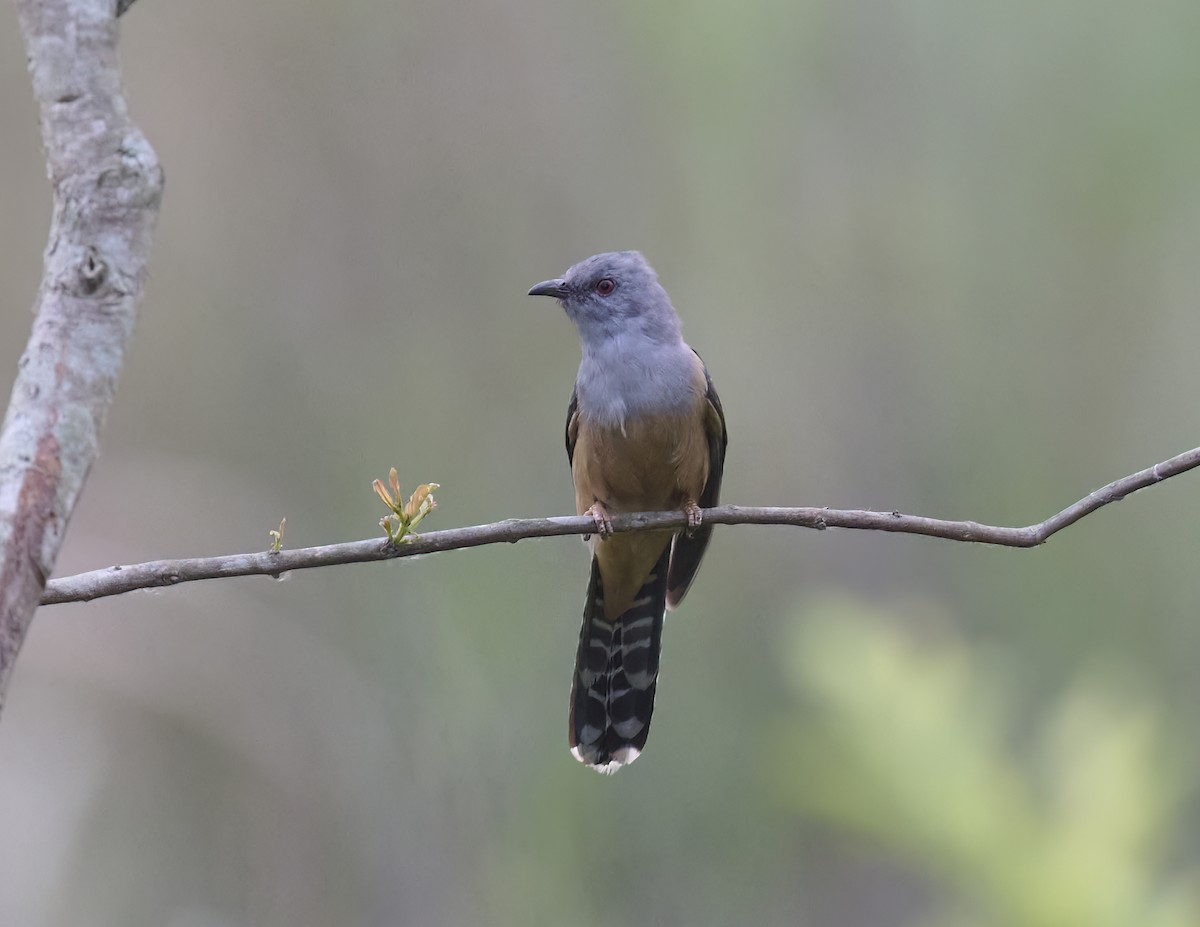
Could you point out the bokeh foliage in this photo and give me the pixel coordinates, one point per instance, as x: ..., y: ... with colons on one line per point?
x: 913, y: 743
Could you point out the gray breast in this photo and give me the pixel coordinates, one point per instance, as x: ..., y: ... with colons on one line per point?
x: 627, y: 378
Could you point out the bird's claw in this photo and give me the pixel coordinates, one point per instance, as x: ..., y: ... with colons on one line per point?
x: 695, y: 517
x: 603, y: 521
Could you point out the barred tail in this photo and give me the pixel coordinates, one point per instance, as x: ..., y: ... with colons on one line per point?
x: 616, y: 671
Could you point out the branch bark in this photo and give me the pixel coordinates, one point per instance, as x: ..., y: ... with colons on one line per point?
x: 119, y: 579
x: 107, y: 188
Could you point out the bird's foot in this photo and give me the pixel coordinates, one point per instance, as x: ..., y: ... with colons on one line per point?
x: 602, y: 519
x: 695, y: 516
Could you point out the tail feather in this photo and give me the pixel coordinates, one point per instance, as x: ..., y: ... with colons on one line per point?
x: 616, y: 673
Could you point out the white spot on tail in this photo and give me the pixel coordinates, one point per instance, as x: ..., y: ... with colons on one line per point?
x: 622, y: 757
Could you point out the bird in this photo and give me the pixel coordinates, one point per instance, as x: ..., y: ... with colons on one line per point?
x: 645, y: 432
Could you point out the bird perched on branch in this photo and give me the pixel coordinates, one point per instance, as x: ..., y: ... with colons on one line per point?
x: 645, y: 432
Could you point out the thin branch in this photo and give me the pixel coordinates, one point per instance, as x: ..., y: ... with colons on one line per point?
x: 119, y: 579
x: 107, y: 188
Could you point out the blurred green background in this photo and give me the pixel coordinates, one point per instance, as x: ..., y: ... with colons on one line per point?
x: 939, y: 258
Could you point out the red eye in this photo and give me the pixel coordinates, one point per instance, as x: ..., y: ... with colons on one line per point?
x: 605, y: 286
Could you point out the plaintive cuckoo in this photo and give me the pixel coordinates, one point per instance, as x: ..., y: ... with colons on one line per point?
x: 645, y: 432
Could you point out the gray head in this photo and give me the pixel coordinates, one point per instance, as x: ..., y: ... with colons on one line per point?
x: 613, y: 294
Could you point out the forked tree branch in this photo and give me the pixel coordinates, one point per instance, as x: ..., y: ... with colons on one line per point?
x: 107, y: 188
x: 118, y: 579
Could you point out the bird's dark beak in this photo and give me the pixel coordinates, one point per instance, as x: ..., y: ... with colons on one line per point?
x: 555, y: 288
